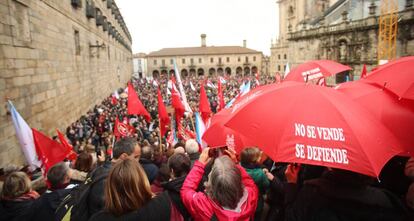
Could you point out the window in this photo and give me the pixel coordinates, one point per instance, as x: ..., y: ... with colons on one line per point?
x: 284, y: 56
x: 278, y: 56
x: 183, y: 61
x: 220, y: 60
x: 228, y: 59
x: 109, y: 53
x: 77, y: 42
x: 163, y: 62
x: 171, y: 61
x: 22, y: 22
x: 247, y: 59
x: 155, y: 62
x: 284, y: 67
x: 200, y: 60
x: 238, y: 59
x: 278, y: 67
x: 192, y: 60
x: 254, y: 58
x: 211, y: 60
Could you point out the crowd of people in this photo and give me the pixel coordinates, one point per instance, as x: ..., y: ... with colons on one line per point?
x: 146, y: 177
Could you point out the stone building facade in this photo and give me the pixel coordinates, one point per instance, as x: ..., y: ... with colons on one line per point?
x: 58, y: 58
x: 205, y: 60
x: 346, y: 31
x: 140, y: 65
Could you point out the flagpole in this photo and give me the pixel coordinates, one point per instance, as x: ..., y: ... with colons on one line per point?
x: 159, y: 131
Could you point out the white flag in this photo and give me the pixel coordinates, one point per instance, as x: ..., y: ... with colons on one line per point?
x: 25, y: 136
x: 287, y: 70
x: 192, y: 86
x: 116, y: 94
x: 154, y: 83
x: 180, y: 86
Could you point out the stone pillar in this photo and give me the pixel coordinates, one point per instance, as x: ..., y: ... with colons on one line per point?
x: 372, y: 8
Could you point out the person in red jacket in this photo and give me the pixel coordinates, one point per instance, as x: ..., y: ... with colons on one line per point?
x: 230, y: 192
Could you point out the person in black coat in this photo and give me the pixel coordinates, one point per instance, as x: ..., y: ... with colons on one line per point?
x: 339, y: 195
x: 125, y: 148
x: 58, y: 177
x: 146, y: 162
x: 128, y: 196
x: 179, y: 165
x: 18, y: 200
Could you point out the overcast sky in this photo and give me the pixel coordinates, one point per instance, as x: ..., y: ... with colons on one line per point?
x: 157, y: 24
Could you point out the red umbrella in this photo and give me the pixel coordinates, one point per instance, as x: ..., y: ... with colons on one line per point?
x: 397, y: 76
x: 396, y: 114
x: 312, y: 71
x: 314, y: 125
x: 219, y: 135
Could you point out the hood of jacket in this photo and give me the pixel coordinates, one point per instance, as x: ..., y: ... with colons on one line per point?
x: 174, y: 185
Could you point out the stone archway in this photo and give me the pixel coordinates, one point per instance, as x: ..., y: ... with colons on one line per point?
x: 228, y: 71
x: 220, y: 71
x: 246, y: 71
x: 192, y: 72
x: 164, y: 72
x: 211, y: 71
x: 200, y: 72
x: 254, y: 70
x: 239, y: 70
x: 172, y: 72
x: 155, y: 74
x: 184, y: 73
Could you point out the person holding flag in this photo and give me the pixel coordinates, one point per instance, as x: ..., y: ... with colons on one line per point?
x: 220, y: 96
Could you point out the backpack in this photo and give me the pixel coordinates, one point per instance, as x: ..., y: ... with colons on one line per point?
x: 75, y: 205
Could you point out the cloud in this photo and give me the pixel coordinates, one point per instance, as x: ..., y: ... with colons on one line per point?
x: 160, y: 24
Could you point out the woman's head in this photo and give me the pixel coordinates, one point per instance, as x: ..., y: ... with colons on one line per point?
x: 224, y: 184
x: 84, y: 162
x: 15, y: 185
x: 250, y: 155
x: 127, y: 188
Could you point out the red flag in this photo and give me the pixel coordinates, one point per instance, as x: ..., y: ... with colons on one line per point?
x: 221, y: 104
x: 49, y: 151
x: 122, y: 130
x: 277, y: 78
x: 163, y: 115
x: 134, y: 104
x: 204, y: 105
x: 177, y: 104
x: 364, y: 71
x: 114, y: 101
x: 257, y: 76
x: 71, y: 154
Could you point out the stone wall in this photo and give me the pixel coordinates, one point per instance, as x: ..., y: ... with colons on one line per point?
x: 56, y: 64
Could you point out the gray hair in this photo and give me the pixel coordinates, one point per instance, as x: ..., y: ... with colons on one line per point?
x: 147, y: 152
x: 124, y: 145
x: 224, y: 185
x: 191, y: 146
